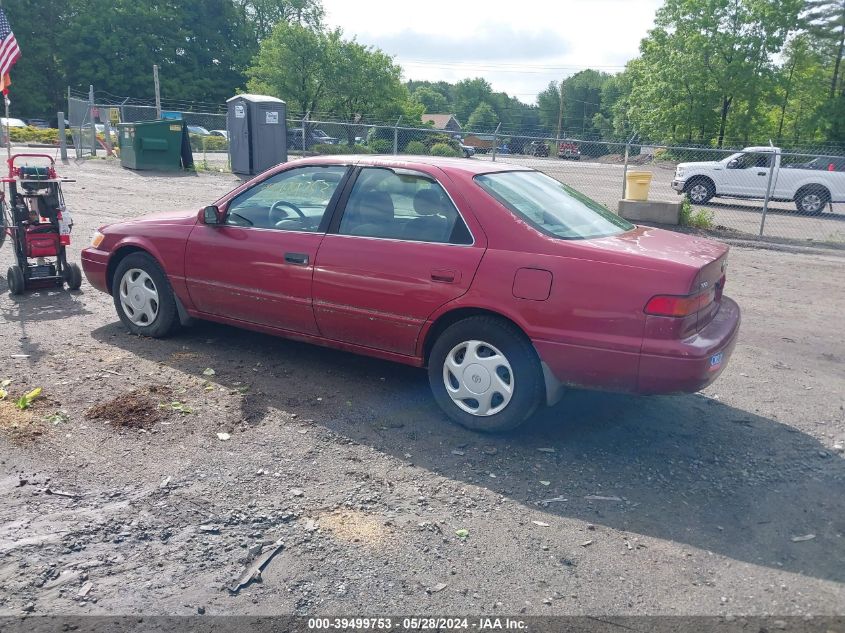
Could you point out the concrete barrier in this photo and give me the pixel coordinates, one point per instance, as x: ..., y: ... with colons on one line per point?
x: 655, y: 211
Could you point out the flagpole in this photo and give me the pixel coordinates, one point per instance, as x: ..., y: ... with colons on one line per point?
x: 6, y: 102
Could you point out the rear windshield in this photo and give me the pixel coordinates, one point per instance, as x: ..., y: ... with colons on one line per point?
x: 551, y: 206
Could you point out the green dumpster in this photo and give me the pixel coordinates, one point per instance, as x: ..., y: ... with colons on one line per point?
x: 159, y: 145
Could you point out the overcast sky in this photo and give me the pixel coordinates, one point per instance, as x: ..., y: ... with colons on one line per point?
x: 517, y: 45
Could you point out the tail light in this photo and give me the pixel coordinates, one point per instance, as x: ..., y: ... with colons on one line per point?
x: 679, y: 306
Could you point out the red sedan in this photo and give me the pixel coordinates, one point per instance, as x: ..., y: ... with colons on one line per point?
x: 506, y: 284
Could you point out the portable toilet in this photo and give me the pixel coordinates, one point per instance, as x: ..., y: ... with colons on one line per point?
x: 257, y: 133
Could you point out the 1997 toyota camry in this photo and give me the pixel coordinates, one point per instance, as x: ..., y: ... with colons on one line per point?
x: 506, y: 284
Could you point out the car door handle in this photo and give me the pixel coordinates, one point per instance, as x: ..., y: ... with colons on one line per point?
x: 761, y: 173
x: 445, y: 276
x: 300, y: 259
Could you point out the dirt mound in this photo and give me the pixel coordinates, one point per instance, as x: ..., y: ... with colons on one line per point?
x: 137, y: 409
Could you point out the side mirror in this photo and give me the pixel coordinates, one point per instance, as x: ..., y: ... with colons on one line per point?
x: 211, y: 215
x: 733, y: 163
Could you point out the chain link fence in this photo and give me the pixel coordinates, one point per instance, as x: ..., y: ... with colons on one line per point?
x: 797, y: 194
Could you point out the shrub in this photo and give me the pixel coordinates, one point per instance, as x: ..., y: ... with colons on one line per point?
x: 200, y: 142
x: 35, y: 135
x: 340, y: 149
x: 381, y: 146
x: 698, y: 218
x: 442, y: 149
x: 415, y: 147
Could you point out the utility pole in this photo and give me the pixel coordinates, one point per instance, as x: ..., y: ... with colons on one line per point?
x: 158, y: 91
x: 560, y: 112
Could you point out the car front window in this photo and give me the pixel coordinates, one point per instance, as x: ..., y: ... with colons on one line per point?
x: 293, y: 200
x: 552, y: 207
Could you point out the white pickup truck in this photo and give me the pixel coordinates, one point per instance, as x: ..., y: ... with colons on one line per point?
x: 811, y: 184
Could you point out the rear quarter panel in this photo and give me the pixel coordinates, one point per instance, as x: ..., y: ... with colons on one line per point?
x: 590, y: 328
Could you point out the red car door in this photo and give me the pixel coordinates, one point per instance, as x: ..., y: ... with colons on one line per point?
x: 400, y: 251
x: 257, y: 265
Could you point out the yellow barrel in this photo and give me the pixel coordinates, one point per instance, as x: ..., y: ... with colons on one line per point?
x: 637, y: 185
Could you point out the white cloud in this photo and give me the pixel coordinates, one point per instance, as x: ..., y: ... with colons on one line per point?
x: 518, y: 46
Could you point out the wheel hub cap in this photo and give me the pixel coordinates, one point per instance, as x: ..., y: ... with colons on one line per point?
x: 478, y: 378
x: 138, y: 297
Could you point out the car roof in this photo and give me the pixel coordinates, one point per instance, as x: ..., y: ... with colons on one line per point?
x: 472, y: 167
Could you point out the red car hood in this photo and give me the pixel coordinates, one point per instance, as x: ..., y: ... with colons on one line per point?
x: 668, y: 246
x: 165, y: 217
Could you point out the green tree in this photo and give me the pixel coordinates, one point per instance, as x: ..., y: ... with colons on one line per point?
x: 38, y: 78
x: 263, y: 15
x: 363, y: 82
x: 294, y: 64
x: 433, y: 101
x: 469, y: 94
x: 483, y: 119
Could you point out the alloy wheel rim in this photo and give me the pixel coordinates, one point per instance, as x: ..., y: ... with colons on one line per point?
x: 811, y: 202
x: 139, y: 297
x: 697, y: 193
x: 478, y: 378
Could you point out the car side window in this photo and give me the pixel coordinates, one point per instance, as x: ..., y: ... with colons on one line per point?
x: 753, y: 160
x: 292, y: 200
x: 402, y: 205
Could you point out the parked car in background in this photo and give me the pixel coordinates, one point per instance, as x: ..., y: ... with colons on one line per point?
x: 747, y: 174
x: 508, y: 285
x: 537, y: 148
x: 39, y: 123
x: 567, y: 149
x: 11, y: 122
x: 223, y: 133
x: 468, y: 150
x: 315, y: 136
x: 503, y: 149
x: 198, y: 129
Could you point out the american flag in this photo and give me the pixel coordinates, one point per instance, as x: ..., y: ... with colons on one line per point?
x: 10, y: 52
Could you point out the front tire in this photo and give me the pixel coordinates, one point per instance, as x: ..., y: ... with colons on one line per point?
x: 143, y: 297
x: 485, y: 374
x: 700, y: 190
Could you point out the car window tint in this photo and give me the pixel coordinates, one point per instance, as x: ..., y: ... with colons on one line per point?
x: 293, y: 200
x: 551, y: 206
x: 402, y: 205
x: 752, y: 160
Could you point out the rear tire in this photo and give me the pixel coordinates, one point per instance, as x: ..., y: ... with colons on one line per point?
x: 485, y: 374
x: 812, y: 200
x: 73, y: 277
x: 16, y: 281
x: 143, y: 297
x: 700, y: 190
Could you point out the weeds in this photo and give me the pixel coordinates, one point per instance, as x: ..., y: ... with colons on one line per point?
x: 698, y: 218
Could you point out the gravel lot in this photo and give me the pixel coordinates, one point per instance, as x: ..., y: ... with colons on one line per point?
x: 725, y: 502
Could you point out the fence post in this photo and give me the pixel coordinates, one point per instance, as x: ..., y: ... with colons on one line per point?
x: 396, y: 136
x: 496, y: 141
x: 775, y: 155
x: 91, y: 117
x: 158, y: 90
x: 625, y: 168
x: 304, y: 126
x: 62, y: 138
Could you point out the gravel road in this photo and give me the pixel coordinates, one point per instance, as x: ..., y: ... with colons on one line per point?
x: 725, y: 502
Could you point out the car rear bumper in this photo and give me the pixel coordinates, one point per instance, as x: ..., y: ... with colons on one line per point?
x: 678, y: 185
x: 691, y: 364
x: 661, y: 367
x: 95, y: 264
